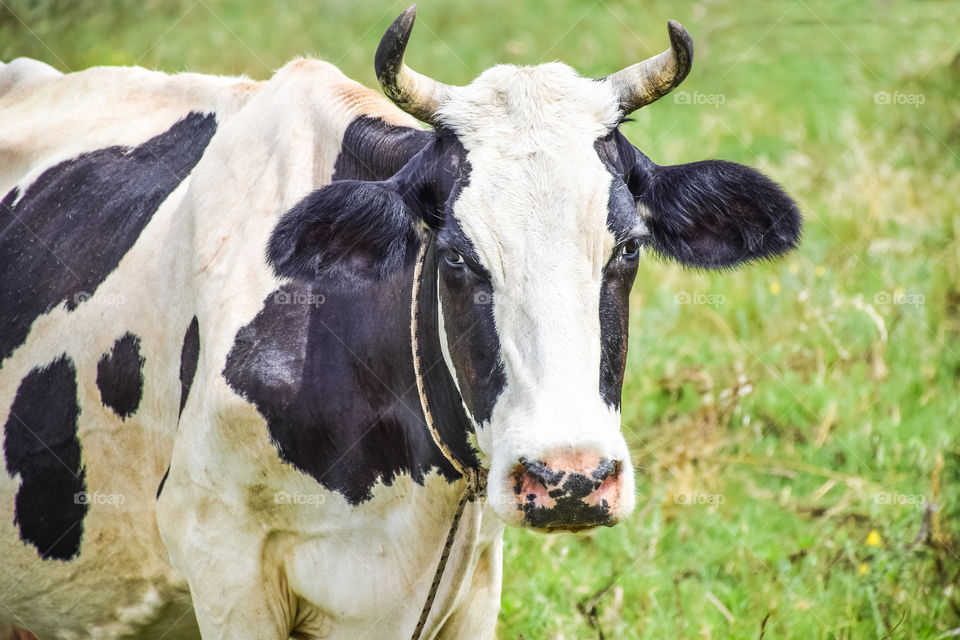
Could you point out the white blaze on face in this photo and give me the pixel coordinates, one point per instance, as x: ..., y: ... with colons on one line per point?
x: 535, y: 209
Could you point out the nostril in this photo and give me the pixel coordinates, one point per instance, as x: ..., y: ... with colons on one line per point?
x: 605, y: 469
x: 532, y: 487
x: 539, y: 471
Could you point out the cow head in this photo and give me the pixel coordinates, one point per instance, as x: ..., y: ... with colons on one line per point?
x: 539, y: 210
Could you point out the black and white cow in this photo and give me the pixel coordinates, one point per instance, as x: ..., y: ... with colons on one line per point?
x: 225, y: 307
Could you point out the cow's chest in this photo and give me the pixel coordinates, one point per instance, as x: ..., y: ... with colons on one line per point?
x: 372, y: 580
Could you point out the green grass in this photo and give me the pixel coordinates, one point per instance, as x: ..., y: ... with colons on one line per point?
x: 807, y: 414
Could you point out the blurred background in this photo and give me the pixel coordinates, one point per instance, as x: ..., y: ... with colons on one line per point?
x: 796, y: 423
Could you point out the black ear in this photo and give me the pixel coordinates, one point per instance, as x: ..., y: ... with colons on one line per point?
x: 716, y: 214
x: 353, y: 230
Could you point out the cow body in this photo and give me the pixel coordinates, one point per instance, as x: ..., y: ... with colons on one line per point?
x: 196, y: 259
x: 255, y: 336
x: 57, y: 119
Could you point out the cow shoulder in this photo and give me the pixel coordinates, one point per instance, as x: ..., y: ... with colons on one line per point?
x: 337, y: 97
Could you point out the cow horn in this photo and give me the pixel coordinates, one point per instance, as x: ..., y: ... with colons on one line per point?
x: 417, y: 94
x: 642, y: 83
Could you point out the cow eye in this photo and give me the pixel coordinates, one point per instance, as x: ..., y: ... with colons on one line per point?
x: 630, y: 249
x: 453, y: 258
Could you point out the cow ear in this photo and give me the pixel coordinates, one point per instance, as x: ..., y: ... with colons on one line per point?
x: 354, y: 230
x: 716, y: 214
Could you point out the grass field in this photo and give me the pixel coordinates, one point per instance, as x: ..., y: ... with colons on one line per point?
x: 796, y: 423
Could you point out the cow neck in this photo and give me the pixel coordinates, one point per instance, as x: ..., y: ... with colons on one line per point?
x: 443, y: 410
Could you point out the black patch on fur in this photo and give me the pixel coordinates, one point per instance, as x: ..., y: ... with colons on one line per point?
x: 40, y: 444
x: 466, y: 296
x: 472, y: 341
x: 439, y: 387
x: 74, y: 223
x: 328, y: 360
x: 618, y: 278
x: 120, y: 376
x: 189, y: 353
x: 357, y: 231
x: 329, y: 367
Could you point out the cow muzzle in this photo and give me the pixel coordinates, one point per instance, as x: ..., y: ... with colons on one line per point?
x: 569, y: 492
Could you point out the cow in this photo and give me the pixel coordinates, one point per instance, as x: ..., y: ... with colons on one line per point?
x: 264, y: 343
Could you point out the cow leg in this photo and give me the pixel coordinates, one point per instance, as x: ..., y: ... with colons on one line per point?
x: 477, y: 615
x: 238, y: 587
x: 238, y: 601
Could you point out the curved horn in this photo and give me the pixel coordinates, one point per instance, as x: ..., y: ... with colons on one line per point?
x: 416, y: 94
x: 642, y: 83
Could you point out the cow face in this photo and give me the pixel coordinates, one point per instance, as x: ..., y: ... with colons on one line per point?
x: 540, y: 211
x: 529, y: 250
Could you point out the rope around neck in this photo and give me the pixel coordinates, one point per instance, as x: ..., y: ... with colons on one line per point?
x: 468, y: 496
x: 475, y: 487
